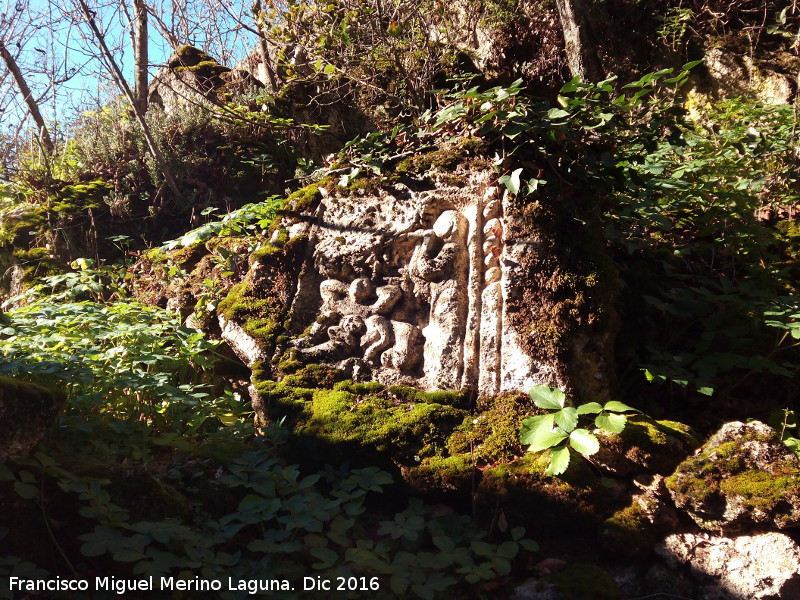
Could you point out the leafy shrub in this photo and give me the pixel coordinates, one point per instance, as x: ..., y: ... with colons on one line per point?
x: 558, y: 431
x: 124, y: 358
x: 286, y: 526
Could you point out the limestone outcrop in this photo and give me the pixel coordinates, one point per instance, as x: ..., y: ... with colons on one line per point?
x: 744, y: 476
x: 193, y: 77
x: 765, y: 566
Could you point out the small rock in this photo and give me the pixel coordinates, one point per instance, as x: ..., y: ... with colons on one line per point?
x: 534, y: 589
x: 759, y: 567
x: 549, y: 566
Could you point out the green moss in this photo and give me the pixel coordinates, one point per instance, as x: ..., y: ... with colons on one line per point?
x: 405, y: 432
x: 362, y: 389
x: 443, y: 159
x: 492, y: 434
x: 305, y: 199
x: 18, y: 222
x: 575, y: 502
x: 584, y: 582
x: 412, y: 394
x: 261, y: 310
x: 435, y: 475
x: 187, y: 56
x: 762, y: 491
x: 361, y: 186
x: 260, y: 317
x: 723, y: 470
x: 628, y: 532
x: 72, y: 199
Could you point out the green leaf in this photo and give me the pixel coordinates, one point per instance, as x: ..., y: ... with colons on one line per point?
x: 589, y: 408
x: 444, y: 543
x: 508, y: 550
x: 691, y: 65
x: 548, y: 397
x: 611, y: 422
x: 532, y: 426
x: 559, y: 461
x: 616, y: 406
x: 571, y: 86
x: 556, y: 114
x: 566, y: 418
x: 584, y: 441
x: 512, y: 182
x: 546, y: 439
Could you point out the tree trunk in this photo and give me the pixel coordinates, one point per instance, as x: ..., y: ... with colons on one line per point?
x: 581, y: 45
x: 119, y: 79
x: 140, y: 54
x: 263, y: 50
x: 27, y: 95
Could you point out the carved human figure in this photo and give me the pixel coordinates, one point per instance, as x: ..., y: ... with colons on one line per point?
x: 441, y: 260
x: 343, y: 340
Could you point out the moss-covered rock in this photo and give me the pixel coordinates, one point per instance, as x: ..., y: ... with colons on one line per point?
x: 491, y: 433
x: 254, y: 312
x: 584, y: 582
x: 407, y: 432
x: 573, y: 503
x: 26, y: 411
x: 645, y: 446
x: 743, y: 476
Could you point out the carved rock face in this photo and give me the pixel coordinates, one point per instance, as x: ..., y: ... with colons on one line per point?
x: 412, y: 290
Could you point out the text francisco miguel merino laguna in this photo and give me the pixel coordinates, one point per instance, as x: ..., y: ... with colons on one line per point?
x: 251, y: 586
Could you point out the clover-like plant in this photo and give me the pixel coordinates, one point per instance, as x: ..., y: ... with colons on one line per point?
x: 558, y: 431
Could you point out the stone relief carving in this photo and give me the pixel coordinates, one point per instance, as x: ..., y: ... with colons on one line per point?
x: 412, y: 290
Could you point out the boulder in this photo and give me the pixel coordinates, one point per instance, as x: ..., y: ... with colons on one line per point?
x: 26, y: 411
x: 765, y: 566
x: 744, y: 476
x: 644, y: 446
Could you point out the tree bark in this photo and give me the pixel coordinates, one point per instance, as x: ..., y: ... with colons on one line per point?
x: 263, y: 50
x: 581, y: 46
x: 27, y: 95
x: 140, y: 54
x: 122, y: 84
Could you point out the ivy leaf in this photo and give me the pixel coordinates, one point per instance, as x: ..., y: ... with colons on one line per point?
x: 547, y: 397
x: 559, y: 461
x: 584, y: 442
x: 512, y: 182
x: 611, y: 422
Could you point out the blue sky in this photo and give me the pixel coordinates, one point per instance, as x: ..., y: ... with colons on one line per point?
x: 70, y: 48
